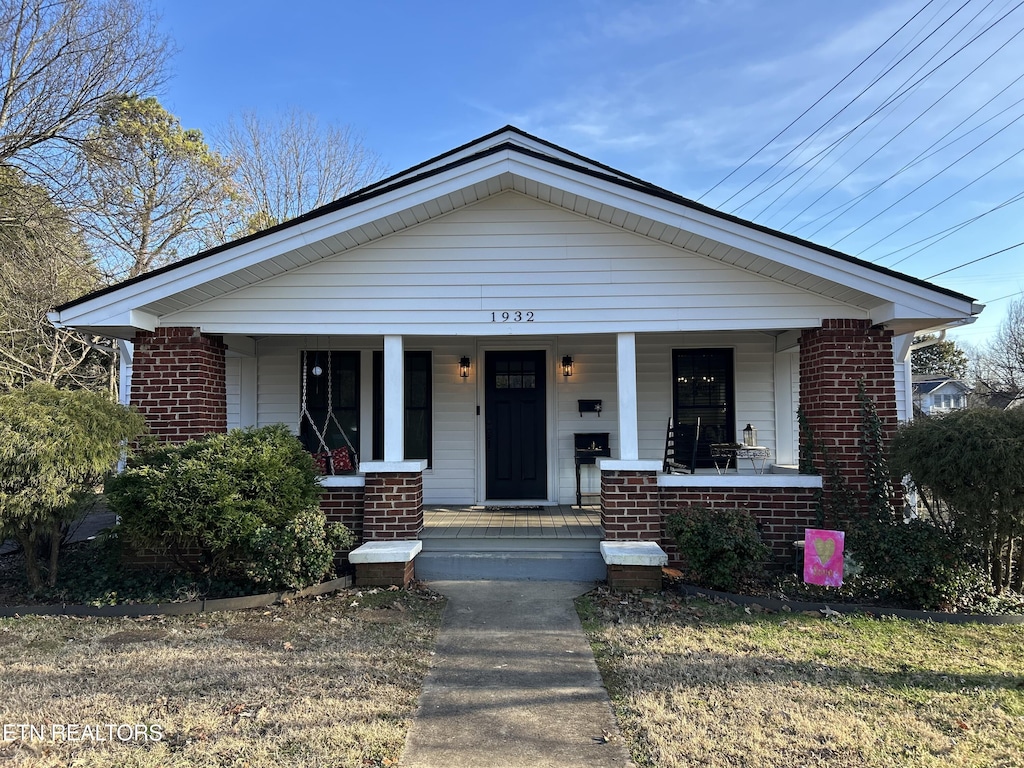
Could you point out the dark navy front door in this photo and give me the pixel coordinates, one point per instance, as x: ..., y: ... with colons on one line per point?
x: 516, y: 428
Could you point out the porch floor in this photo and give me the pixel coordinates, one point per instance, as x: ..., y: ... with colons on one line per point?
x: 475, y: 522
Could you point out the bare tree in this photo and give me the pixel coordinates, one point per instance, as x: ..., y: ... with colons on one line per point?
x: 61, y: 62
x: 291, y: 164
x: 157, y: 192
x: 43, y: 261
x: 1000, y: 366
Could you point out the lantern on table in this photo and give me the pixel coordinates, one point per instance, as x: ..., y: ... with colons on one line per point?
x: 749, y: 436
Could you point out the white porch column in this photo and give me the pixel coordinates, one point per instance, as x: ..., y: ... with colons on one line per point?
x: 629, y: 440
x: 394, y: 399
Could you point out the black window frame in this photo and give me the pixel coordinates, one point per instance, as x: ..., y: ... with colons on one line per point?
x: 709, y: 392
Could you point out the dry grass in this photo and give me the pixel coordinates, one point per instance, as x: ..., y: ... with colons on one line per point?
x: 696, y: 684
x: 326, y: 682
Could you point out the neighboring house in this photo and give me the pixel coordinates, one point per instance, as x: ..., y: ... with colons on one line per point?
x: 939, y: 394
x: 467, y: 318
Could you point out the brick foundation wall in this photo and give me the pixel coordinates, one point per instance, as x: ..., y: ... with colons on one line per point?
x: 393, y: 506
x: 345, y: 506
x: 782, y: 514
x: 146, y: 559
x: 630, y: 505
x: 628, y: 577
x: 385, y: 574
x: 833, y: 360
x: 178, y: 383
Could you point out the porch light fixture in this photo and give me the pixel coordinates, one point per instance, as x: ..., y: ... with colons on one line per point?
x: 464, y: 367
x: 567, y: 366
x: 749, y: 436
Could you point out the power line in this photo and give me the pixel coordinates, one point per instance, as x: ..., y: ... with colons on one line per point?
x: 902, y: 89
x: 849, y: 205
x: 920, y: 158
x: 946, y: 199
x: 943, y: 234
x: 975, y: 261
x: 874, y: 112
x: 1007, y: 296
x: 812, y: 106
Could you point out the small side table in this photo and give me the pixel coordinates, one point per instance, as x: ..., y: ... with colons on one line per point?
x: 724, y: 454
x: 589, y: 447
x: 756, y: 454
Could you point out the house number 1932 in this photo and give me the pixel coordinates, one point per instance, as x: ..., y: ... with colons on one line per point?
x: 512, y: 317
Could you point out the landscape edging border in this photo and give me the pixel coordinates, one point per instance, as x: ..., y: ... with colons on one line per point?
x: 774, y: 604
x: 134, y: 610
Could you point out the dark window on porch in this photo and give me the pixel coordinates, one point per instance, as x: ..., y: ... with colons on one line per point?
x: 330, y: 393
x: 704, y: 388
x: 418, y: 406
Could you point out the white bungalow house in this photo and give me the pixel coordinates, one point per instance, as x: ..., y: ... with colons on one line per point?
x: 934, y: 395
x: 467, y: 324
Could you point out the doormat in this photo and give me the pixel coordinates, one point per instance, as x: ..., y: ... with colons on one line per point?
x: 522, y: 509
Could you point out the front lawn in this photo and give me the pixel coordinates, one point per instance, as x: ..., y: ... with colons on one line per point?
x: 701, y: 684
x: 332, y: 681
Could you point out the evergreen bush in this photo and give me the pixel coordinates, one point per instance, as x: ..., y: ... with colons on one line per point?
x: 55, y: 448
x: 719, y: 548
x: 241, y: 503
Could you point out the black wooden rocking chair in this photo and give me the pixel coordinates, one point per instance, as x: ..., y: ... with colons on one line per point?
x: 681, y: 448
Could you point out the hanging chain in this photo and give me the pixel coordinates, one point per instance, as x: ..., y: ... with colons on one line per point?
x: 321, y: 434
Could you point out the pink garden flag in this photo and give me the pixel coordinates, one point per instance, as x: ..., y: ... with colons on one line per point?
x: 823, y: 557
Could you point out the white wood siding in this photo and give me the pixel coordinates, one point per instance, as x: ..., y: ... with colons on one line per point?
x: 512, y: 253
x: 233, y: 380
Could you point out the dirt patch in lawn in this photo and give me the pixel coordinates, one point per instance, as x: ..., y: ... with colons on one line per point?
x: 126, y: 636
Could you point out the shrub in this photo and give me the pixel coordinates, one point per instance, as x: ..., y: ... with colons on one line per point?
x: 242, y: 503
x: 921, y: 565
x: 298, y: 554
x: 55, y: 447
x: 968, y: 466
x: 720, y: 548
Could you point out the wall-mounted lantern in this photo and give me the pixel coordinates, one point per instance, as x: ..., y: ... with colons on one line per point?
x: 567, y: 366
x: 464, y: 367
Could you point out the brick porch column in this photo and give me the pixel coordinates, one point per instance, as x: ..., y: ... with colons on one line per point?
x: 392, y: 500
x: 630, y: 500
x: 833, y: 360
x: 178, y: 383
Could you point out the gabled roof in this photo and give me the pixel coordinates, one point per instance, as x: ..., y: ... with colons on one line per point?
x: 511, y: 159
x: 927, y: 384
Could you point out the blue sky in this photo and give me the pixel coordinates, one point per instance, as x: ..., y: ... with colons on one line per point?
x: 679, y: 93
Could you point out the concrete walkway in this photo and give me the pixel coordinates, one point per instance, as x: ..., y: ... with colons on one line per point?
x: 514, y: 683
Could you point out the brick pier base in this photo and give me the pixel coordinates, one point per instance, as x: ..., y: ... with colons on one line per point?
x: 630, y: 505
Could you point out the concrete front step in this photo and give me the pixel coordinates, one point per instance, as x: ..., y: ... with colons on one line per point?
x: 549, y: 565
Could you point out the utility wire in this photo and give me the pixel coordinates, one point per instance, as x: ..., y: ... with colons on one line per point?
x: 921, y: 157
x: 860, y: 198
x: 945, y: 199
x: 902, y: 89
x: 943, y: 234
x: 836, y: 115
x: 812, y: 106
x: 975, y: 261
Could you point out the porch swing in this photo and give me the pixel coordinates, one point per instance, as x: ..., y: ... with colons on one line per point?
x: 330, y: 461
